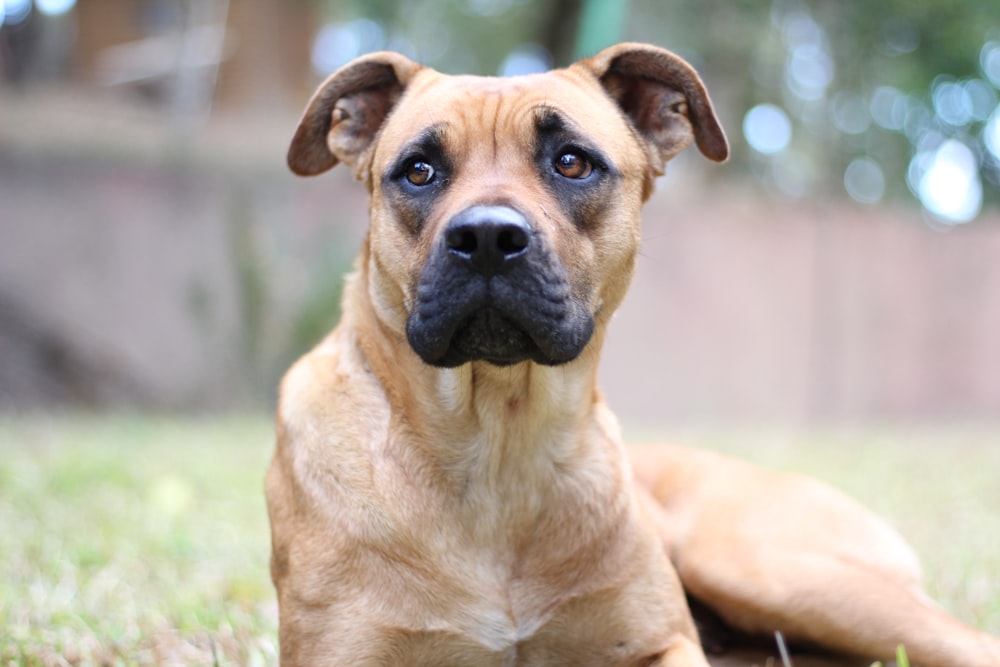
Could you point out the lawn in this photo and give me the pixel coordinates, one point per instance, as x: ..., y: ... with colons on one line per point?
x: 135, y: 540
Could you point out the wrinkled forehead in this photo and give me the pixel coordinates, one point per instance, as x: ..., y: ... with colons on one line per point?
x: 466, y: 111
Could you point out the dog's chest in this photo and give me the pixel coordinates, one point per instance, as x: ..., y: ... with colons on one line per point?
x: 537, y: 576
x: 489, y: 636
x: 472, y: 611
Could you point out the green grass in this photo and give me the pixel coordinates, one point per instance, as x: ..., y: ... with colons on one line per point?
x: 133, y: 540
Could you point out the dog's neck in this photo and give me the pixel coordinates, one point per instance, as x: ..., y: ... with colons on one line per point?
x: 487, y: 416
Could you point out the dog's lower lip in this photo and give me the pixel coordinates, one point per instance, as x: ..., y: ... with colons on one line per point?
x: 495, y: 336
x: 490, y: 335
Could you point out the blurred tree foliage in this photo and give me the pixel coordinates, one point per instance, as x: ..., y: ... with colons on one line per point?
x: 904, y: 90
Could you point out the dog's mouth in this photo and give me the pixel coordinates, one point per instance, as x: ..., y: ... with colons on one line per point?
x: 526, y: 315
x: 492, y: 335
x: 489, y: 336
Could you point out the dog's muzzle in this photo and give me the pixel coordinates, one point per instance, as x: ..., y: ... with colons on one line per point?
x: 492, y: 290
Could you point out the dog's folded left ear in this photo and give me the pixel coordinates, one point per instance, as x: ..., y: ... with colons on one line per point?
x: 663, y: 97
x: 346, y: 112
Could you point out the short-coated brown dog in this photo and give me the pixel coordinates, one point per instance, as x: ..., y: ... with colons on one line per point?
x: 449, y: 487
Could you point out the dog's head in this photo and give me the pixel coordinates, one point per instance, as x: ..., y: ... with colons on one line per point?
x: 505, y: 212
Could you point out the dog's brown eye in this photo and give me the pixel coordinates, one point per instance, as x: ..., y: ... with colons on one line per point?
x: 419, y: 172
x: 573, y: 165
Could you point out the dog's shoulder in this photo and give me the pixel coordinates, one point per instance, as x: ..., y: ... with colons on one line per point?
x: 329, y: 389
x: 328, y: 416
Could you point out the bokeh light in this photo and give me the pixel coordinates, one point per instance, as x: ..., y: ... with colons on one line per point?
x: 900, y: 36
x: 982, y: 96
x: 865, y: 181
x: 989, y: 61
x: 991, y: 134
x: 810, y: 71
x: 849, y: 112
x: 809, y: 68
x: 919, y: 120
x: 947, y: 182
x: 337, y: 43
x: 888, y: 108
x: 54, y: 7
x: 14, y: 12
x: 767, y: 128
x: 952, y: 102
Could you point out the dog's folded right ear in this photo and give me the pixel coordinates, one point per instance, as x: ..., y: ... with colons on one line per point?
x: 346, y: 112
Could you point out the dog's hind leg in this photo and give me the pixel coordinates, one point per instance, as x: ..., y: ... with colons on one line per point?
x: 820, y: 600
x: 773, y: 552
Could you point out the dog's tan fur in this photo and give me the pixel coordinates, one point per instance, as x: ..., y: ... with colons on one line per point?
x: 488, y: 515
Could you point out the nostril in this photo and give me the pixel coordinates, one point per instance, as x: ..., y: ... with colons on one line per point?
x: 512, y: 241
x: 462, y: 241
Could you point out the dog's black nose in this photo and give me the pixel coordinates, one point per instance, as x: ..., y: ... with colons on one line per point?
x: 488, y: 237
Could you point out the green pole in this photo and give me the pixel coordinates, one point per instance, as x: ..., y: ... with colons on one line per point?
x: 601, y: 25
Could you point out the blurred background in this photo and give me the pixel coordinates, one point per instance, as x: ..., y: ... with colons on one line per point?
x: 844, y: 265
